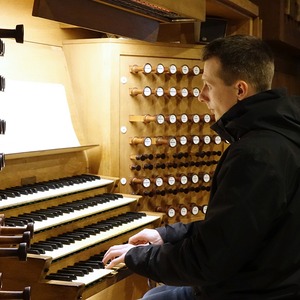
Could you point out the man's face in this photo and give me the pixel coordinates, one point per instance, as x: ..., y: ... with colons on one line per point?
x: 218, y: 97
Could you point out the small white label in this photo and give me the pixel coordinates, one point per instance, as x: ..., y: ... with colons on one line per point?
x: 196, y: 140
x: 195, y: 178
x: 173, y: 69
x: 171, y: 180
x: 206, y: 177
x: 147, y: 91
x: 123, y: 80
x: 160, y: 69
x: 171, y: 212
x: 207, y: 118
x: 183, y: 211
x: 147, y: 142
x: 196, y: 70
x: 172, y: 142
x: 173, y: 92
x: 159, y: 181
x: 184, y: 92
x: 123, y: 129
x: 183, y: 140
x: 184, y: 118
x: 195, y: 210
x: 160, y: 119
x: 159, y: 92
x: 146, y: 182
x: 123, y: 181
x: 172, y: 119
x: 147, y: 68
x: 196, y: 119
x: 218, y: 140
x: 183, y: 179
x: 196, y: 92
x: 185, y: 69
x: 207, y: 139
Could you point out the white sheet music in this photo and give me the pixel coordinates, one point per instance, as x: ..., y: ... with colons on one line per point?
x: 37, y: 117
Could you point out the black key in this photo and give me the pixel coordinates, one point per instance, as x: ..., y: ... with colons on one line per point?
x: 63, y: 277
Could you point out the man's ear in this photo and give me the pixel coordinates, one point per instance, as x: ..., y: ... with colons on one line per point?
x: 242, y: 89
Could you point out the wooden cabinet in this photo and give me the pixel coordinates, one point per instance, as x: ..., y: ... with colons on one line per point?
x: 281, y: 21
x: 280, y: 29
x: 241, y: 17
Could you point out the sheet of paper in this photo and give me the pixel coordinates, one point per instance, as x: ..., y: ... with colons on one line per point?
x: 37, y: 117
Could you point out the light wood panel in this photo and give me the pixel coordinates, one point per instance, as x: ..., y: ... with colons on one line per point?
x: 130, y: 288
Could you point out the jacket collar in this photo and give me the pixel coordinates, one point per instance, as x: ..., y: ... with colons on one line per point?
x: 237, y: 120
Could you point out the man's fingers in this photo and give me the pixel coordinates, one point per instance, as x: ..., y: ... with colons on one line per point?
x: 114, y: 262
x: 116, y: 254
x: 111, y: 253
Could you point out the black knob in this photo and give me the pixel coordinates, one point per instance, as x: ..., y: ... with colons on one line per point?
x: 2, y: 48
x: 17, y: 34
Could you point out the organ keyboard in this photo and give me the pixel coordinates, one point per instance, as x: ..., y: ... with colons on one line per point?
x: 76, y: 218
x: 70, y: 242
x: 63, y: 213
x: 25, y: 194
x: 87, y: 271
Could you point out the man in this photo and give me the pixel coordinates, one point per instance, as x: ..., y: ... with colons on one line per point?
x: 248, y: 246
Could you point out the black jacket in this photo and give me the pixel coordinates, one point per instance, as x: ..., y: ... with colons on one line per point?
x: 248, y: 246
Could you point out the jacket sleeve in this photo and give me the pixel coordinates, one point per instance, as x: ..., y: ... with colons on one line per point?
x: 239, y: 215
x: 175, y: 232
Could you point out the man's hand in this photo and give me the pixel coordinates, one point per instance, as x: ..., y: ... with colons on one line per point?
x: 146, y: 236
x: 115, y: 255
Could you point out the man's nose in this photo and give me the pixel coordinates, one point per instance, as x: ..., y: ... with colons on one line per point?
x: 202, y: 97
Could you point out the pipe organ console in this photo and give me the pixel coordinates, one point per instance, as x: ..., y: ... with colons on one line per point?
x: 70, y: 221
x: 148, y: 134
x: 143, y: 108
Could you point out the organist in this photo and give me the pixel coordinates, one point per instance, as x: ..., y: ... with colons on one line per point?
x: 248, y: 245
